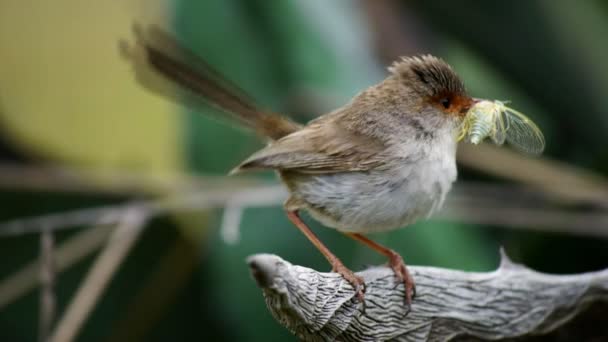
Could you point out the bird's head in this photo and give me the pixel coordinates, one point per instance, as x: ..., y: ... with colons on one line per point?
x: 432, y: 88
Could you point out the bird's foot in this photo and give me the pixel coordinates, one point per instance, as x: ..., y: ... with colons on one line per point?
x: 396, y: 263
x: 355, y: 281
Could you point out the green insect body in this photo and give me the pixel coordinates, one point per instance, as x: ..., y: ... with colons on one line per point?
x: 500, y: 123
x: 482, y: 118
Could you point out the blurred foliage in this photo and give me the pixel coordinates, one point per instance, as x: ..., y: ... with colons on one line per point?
x: 69, y: 97
x: 548, y: 57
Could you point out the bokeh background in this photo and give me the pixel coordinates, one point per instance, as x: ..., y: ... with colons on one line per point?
x: 77, y: 131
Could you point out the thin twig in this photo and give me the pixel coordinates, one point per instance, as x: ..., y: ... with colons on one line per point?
x: 517, y: 216
x: 557, y: 179
x: 252, y: 196
x: 59, y: 178
x: 47, y: 282
x: 66, y: 254
x: 471, y: 203
x: 106, y: 264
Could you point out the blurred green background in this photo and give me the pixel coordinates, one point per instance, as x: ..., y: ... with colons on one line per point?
x: 69, y: 102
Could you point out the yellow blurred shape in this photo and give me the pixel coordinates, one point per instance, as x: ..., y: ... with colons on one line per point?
x: 66, y: 94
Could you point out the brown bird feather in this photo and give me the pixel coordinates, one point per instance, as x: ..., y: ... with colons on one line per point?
x: 156, y: 49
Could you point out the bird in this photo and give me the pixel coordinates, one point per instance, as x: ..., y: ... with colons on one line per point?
x: 382, y: 161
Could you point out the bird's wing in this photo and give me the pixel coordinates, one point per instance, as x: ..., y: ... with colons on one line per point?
x: 320, y: 147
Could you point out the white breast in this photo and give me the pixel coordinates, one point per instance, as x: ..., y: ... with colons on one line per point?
x: 383, y: 199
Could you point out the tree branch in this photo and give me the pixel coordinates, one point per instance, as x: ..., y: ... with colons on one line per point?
x: 469, y: 202
x: 512, y: 301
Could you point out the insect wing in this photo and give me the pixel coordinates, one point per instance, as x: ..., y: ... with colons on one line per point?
x: 522, y: 133
x: 465, y: 126
x: 500, y: 128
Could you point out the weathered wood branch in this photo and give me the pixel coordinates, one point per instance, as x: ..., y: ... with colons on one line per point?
x: 510, y: 302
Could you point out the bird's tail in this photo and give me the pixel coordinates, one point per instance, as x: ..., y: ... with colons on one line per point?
x: 155, y: 53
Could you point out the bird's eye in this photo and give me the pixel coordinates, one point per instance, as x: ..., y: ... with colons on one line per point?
x: 445, y: 102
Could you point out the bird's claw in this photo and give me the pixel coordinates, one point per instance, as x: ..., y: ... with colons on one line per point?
x: 401, y: 272
x: 355, y: 281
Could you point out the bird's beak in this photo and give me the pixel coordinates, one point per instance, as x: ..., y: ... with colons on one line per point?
x: 470, y: 103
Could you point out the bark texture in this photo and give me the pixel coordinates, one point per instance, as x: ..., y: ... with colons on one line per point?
x: 511, y: 302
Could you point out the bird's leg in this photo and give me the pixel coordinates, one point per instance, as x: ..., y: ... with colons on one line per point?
x: 395, y: 262
x: 337, y: 265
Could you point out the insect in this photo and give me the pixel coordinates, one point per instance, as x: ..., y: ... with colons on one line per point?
x: 500, y: 123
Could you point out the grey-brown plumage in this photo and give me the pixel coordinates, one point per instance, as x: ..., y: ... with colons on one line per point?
x: 354, y: 137
x: 382, y: 161
x: 436, y: 76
